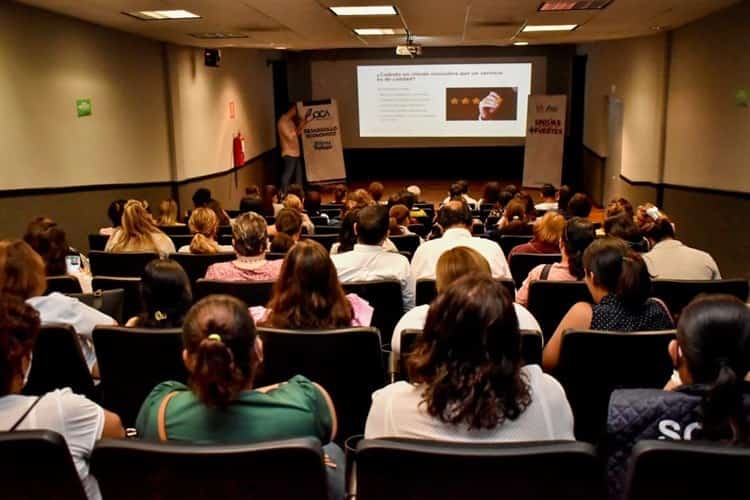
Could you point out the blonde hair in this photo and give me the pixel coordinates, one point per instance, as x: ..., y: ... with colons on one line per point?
x: 167, y: 213
x: 292, y: 201
x: 137, y: 231
x: 250, y: 234
x: 458, y: 262
x: 549, y: 228
x: 203, y: 225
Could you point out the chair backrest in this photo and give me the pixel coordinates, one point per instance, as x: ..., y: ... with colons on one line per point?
x: 131, y: 286
x: 319, y: 229
x: 175, y: 230
x: 347, y: 362
x: 37, y: 464
x: 58, y: 363
x: 275, y: 255
x: 406, y: 243
x: 120, y: 264
x: 63, y: 284
x: 419, y: 229
x: 196, y: 265
x: 676, y: 294
x: 426, y: 290
x: 332, y: 213
x: 253, y: 293
x: 318, y: 220
x: 327, y: 240
x: 522, y: 263
x: 403, y: 468
x: 98, y: 241
x: 509, y: 241
x: 110, y: 302
x: 132, y: 361
x: 594, y: 363
x: 385, y: 297
x: 549, y: 301
x: 687, y: 470
x: 284, y: 470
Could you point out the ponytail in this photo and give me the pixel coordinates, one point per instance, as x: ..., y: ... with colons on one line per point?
x: 202, y: 244
x: 723, y: 406
x: 634, y: 285
x: 215, y: 378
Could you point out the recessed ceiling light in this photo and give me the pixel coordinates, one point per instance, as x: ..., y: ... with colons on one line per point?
x: 207, y: 36
x: 520, y: 44
x: 379, y: 31
x: 531, y: 28
x: 365, y: 10
x: 558, y: 5
x: 162, y: 15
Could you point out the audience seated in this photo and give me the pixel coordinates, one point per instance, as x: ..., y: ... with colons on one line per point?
x: 22, y: 275
x: 114, y: 212
x: 138, y: 233
x: 250, y: 242
x: 348, y: 238
x: 466, y: 379
x: 221, y: 214
x: 547, y: 233
x: 288, y: 229
x: 497, y: 210
x: 168, y: 214
x: 204, y: 225
x: 514, y: 219
x: 359, y: 198
x: 461, y: 189
x: 271, y: 205
x: 254, y: 203
x: 416, y: 191
x: 220, y: 406
x: 297, y: 190
x: 201, y: 197
x: 309, y: 296
x: 368, y: 260
x: 529, y: 207
x: 490, y: 194
x: 576, y: 237
x: 455, y: 218
x: 618, y: 206
x: 339, y: 194
x: 294, y: 202
x: 621, y: 225
x: 452, y: 265
x: 707, y: 397
x: 166, y: 296
x: 80, y: 421
x: 670, y: 258
x: 620, y: 284
x: 564, y: 194
x: 409, y: 199
x: 579, y: 206
x: 312, y: 204
x: 549, y: 200
x: 399, y: 220
x: 50, y: 242
x: 376, y: 190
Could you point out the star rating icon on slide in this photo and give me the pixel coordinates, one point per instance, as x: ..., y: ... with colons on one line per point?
x: 474, y: 100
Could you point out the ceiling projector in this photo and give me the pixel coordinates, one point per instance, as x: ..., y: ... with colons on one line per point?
x: 410, y: 49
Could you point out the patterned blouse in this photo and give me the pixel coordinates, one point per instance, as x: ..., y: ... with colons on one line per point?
x: 612, y: 314
x: 228, y: 271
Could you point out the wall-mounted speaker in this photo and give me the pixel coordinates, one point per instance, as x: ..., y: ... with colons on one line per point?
x: 212, y: 57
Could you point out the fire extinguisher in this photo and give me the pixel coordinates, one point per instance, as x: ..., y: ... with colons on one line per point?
x: 238, y: 146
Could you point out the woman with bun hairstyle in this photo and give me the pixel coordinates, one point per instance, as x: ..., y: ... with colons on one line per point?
x: 204, y: 226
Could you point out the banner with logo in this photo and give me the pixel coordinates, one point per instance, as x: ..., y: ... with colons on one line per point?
x: 321, y: 141
x: 545, y: 140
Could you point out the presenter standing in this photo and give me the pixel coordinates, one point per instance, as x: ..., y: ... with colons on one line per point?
x: 290, y: 127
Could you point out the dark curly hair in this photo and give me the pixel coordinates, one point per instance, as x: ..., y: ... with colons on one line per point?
x: 469, y: 356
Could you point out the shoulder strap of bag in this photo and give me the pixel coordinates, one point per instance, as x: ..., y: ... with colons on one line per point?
x: 25, y: 414
x: 161, y: 416
x: 545, y: 272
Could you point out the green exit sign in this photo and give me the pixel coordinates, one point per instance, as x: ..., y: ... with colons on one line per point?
x: 83, y: 107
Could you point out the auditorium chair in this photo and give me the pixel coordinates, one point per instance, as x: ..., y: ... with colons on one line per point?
x: 676, y: 294
x: 98, y: 241
x: 58, y: 363
x: 319, y: 220
x: 594, y: 363
x: 510, y: 241
x: 63, y: 284
x: 181, y: 240
x: 531, y: 346
x: 427, y: 291
x: 688, y: 470
x: 131, y: 286
x: 120, y: 264
x: 224, y: 239
x: 331, y: 206
x: 327, y: 240
x: 332, y: 213
x: 109, y: 302
x: 196, y: 265
x: 227, y: 230
x: 411, y: 468
x: 347, y: 362
x: 419, y: 229
x: 253, y: 293
x: 233, y: 213
x: 132, y: 361
x: 270, y: 220
x: 477, y: 228
x: 38, y: 464
x: 385, y: 297
x: 522, y: 263
x: 281, y: 470
x: 406, y: 242
x: 491, y: 221
x: 328, y: 229
x: 549, y: 302
x: 175, y: 230
x: 275, y: 255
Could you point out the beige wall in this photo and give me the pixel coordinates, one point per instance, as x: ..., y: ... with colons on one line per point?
x: 48, y: 61
x: 708, y: 135
x: 203, y: 129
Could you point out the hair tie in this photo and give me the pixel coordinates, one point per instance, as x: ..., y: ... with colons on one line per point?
x: 160, y: 316
x: 215, y: 337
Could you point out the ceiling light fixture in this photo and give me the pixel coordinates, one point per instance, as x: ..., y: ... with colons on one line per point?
x: 379, y: 31
x: 566, y: 5
x: 535, y: 28
x: 162, y: 15
x: 365, y: 10
x: 220, y: 36
x: 520, y: 44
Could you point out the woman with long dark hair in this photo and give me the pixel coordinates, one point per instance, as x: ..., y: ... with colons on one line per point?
x: 166, y: 295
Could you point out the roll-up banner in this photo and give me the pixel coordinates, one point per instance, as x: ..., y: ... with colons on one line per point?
x: 321, y: 141
x: 545, y: 139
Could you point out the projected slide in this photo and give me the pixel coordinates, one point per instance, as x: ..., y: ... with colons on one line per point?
x: 443, y: 100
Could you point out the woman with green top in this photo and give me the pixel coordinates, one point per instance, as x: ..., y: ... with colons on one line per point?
x: 220, y: 404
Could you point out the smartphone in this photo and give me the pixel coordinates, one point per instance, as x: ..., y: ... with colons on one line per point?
x: 73, y: 264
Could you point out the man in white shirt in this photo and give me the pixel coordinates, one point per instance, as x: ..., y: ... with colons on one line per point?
x: 455, y: 218
x: 671, y: 259
x: 369, y: 261
x: 461, y: 189
x: 548, y: 199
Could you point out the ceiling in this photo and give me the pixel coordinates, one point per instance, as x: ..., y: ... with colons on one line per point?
x: 308, y: 24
